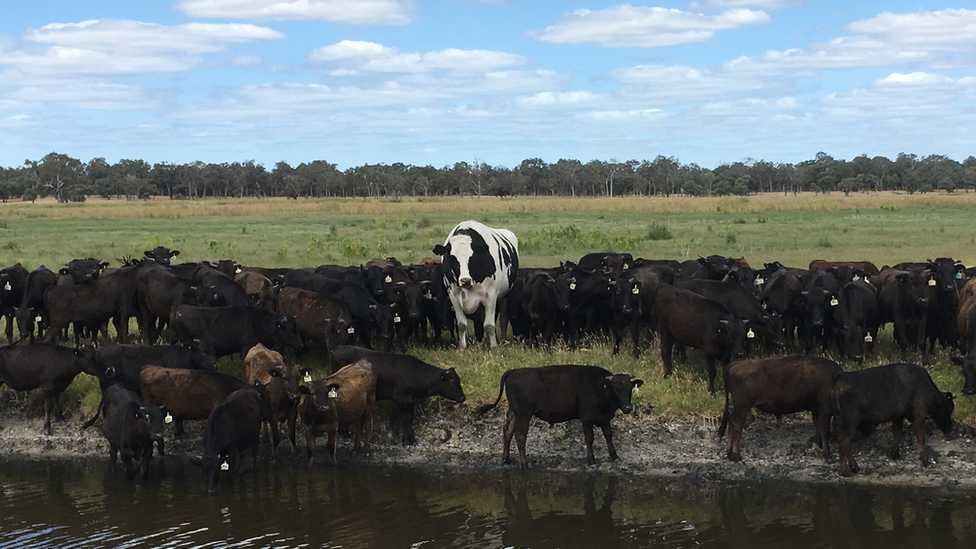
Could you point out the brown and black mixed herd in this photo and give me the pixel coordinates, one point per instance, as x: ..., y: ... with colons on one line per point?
x: 722, y: 306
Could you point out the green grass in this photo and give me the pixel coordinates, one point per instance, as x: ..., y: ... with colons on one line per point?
x: 884, y: 228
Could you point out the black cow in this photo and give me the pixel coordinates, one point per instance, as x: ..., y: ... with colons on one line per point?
x: 232, y: 428
x: 856, y: 319
x: 968, y: 364
x: 545, y: 301
x: 744, y: 305
x: 81, y: 271
x: 815, y: 307
x: 405, y: 380
x: 611, y: 264
x: 161, y: 254
x: 161, y: 291
x: 49, y: 367
x: 32, y: 311
x: 688, y: 319
x: 779, y: 289
x: 118, y: 364
x: 894, y: 392
x: 229, y: 330
x: 778, y: 386
x: 356, y: 297
x: 108, y: 297
x: 13, y: 281
x: 480, y: 265
x: 130, y: 427
x: 903, y: 300
x: 626, y: 304
x: 562, y: 393
x: 589, y: 301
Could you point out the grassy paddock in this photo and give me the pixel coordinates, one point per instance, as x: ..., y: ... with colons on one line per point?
x: 884, y: 228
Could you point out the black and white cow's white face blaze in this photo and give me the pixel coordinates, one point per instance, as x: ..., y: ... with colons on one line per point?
x: 474, y: 253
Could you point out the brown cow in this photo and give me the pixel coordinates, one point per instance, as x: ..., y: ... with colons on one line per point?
x: 866, y: 266
x: 778, y: 386
x: 319, y: 318
x: 259, y: 288
x: 346, y: 397
x: 281, y: 383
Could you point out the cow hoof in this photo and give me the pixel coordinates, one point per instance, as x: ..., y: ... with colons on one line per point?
x: 47, y: 430
x: 507, y: 461
x: 734, y: 457
x: 895, y: 455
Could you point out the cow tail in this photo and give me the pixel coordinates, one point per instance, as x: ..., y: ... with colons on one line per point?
x: 725, y: 414
x: 98, y: 411
x: 481, y: 410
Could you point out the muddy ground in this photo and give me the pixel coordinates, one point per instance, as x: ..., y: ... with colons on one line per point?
x: 649, y: 446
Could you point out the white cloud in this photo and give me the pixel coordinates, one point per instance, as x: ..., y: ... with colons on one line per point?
x: 353, y: 12
x: 352, y: 56
x: 718, y: 5
x: 627, y: 26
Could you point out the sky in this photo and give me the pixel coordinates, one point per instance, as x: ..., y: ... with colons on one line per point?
x: 435, y: 82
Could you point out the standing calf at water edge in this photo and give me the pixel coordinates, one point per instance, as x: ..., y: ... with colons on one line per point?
x: 480, y: 267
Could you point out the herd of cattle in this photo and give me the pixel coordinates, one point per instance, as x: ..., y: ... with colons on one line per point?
x: 719, y: 305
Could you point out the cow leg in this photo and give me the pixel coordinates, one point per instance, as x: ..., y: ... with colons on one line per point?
x: 588, y: 438
x: 48, y: 405
x: 406, y: 414
x: 521, y: 432
x: 509, y: 431
x: 292, y: 422
x: 710, y: 364
x: 845, y: 459
x: 737, y: 420
x: 333, y: 435
x: 821, y: 423
x: 635, y: 334
x: 490, y: 322
x: 179, y: 429
x: 367, y: 433
x: 275, y: 436
x: 667, y: 347
x: 146, y: 458
x: 113, y: 453
x: 130, y: 471
x: 462, y: 326
x: 608, y: 435
x: 919, y: 425
x: 309, y: 444
x: 896, y: 431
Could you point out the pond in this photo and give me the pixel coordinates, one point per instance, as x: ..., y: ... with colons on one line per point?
x: 81, y: 503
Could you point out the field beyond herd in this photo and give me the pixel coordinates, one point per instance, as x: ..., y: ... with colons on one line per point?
x: 884, y: 228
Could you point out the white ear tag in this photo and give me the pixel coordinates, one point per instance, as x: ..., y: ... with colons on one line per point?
x: 239, y: 270
x: 932, y: 282
x: 225, y: 466
x: 958, y: 275
x: 7, y: 287
x: 635, y: 291
x: 572, y: 285
x: 333, y: 393
x: 634, y: 390
x: 759, y: 281
x: 764, y: 305
x: 834, y: 302
x: 351, y: 330
x: 428, y: 295
x: 868, y: 338
x: 856, y: 278
x: 38, y: 318
x: 168, y: 418
x: 388, y: 279
x: 396, y: 319
x: 307, y: 378
x: 750, y: 334
x: 626, y: 266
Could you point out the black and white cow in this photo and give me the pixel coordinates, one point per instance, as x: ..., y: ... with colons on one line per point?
x: 480, y: 267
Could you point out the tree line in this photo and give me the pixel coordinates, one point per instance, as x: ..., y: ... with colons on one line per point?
x: 69, y: 179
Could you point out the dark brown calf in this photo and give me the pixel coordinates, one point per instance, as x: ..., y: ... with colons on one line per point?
x: 281, y: 383
x: 347, y: 397
x: 778, y: 386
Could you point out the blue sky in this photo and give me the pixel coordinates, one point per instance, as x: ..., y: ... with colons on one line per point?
x: 497, y: 81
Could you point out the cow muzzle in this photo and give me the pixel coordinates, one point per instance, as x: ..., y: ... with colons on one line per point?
x: 465, y: 282
x: 627, y: 408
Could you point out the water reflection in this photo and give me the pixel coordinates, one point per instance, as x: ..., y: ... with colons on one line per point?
x: 83, y: 504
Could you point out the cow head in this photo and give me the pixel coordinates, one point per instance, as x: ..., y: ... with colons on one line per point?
x: 83, y: 271
x: 161, y: 254
x: 968, y: 364
x: 626, y: 299
x: 449, y: 386
x: 940, y: 410
x: 287, y: 337
x: 284, y: 383
x: 317, y: 397
x: 620, y: 389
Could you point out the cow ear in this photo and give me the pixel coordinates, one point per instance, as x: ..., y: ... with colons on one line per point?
x: 332, y: 386
x: 637, y: 382
x: 902, y: 278
x: 140, y: 412
x: 63, y: 270
x: 948, y: 396
x: 275, y: 372
x: 174, y: 253
x: 608, y: 381
x: 303, y: 389
x: 442, y: 249
x: 147, y: 253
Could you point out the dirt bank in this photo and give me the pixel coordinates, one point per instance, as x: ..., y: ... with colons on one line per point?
x: 648, y: 445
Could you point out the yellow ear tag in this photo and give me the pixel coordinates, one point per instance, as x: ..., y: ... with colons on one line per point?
x: 572, y: 285
x: 932, y: 282
x: 7, y: 287
x: 307, y: 378
x: 351, y: 330
x: 635, y: 291
x: 868, y: 338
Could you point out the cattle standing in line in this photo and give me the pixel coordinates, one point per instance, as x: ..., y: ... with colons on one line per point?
x: 90, y: 305
x: 562, y: 393
x: 480, y: 266
x: 894, y: 393
x: 405, y: 380
x: 347, y: 397
x: 688, y: 319
x: 778, y: 386
x: 130, y: 428
x: 233, y: 427
x: 160, y: 292
x: 745, y: 306
x: 47, y: 366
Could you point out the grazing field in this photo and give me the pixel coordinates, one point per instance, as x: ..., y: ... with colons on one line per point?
x: 882, y: 228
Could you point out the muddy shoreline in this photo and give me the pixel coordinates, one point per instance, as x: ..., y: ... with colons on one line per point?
x: 649, y: 447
